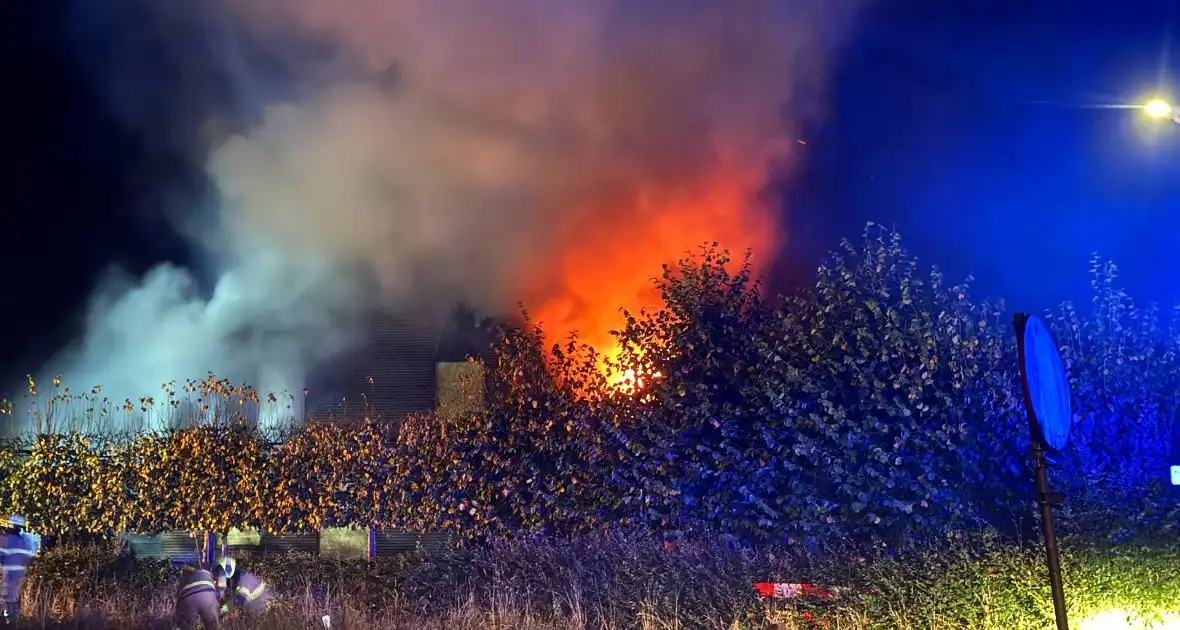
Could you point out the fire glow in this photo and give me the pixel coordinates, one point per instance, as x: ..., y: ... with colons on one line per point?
x: 605, y: 269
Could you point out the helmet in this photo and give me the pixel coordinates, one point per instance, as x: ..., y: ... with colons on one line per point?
x: 228, y: 565
x: 16, y: 520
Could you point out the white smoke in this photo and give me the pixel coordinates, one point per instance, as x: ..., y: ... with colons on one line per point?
x: 443, y: 150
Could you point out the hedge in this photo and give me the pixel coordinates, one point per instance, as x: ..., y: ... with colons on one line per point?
x: 878, y: 405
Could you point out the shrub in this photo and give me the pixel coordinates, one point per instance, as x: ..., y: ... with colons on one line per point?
x: 855, y: 407
x: 879, y: 405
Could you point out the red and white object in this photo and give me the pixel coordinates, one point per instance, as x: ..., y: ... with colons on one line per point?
x: 781, y: 590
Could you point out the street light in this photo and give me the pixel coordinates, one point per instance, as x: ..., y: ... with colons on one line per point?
x: 1159, y: 109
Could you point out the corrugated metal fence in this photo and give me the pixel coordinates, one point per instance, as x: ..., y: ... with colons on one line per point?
x: 343, y: 543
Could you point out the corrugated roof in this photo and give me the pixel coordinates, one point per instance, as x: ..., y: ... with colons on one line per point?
x: 394, y: 373
x: 391, y: 376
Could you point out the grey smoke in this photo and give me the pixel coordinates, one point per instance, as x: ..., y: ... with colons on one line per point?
x: 409, y: 152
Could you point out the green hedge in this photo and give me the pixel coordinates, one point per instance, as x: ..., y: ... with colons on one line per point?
x: 879, y: 405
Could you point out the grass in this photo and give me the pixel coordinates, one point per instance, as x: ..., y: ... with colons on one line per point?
x: 604, y: 582
x: 626, y: 582
x: 306, y: 612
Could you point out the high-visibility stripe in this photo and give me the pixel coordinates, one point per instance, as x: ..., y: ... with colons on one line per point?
x: 13, y: 567
x: 18, y: 552
x: 251, y: 595
x: 190, y: 589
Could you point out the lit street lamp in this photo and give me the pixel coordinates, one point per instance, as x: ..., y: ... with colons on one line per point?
x: 1159, y: 109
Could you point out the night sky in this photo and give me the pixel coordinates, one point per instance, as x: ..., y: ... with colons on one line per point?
x: 937, y: 124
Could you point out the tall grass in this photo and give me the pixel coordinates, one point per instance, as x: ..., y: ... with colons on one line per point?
x: 212, y: 401
x: 624, y: 582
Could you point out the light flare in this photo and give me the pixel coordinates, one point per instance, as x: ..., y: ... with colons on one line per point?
x: 1127, y: 619
x: 1157, y: 108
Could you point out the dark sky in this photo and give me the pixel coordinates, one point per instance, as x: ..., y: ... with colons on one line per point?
x: 933, y: 126
x: 935, y: 129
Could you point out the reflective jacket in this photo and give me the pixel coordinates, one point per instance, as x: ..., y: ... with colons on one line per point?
x: 197, y: 598
x: 252, y: 595
x: 15, y: 557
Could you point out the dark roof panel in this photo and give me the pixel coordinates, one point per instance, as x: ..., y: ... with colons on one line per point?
x: 394, y: 373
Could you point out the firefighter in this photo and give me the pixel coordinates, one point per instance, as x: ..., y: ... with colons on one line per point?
x: 247, y: 592
x: 197, y: 598
x: 15, y: 557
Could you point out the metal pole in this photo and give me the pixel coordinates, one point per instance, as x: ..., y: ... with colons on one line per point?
x: 1047, y: 500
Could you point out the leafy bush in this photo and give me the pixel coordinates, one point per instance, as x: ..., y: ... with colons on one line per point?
x: 846, y: 408
x: 879, y: 405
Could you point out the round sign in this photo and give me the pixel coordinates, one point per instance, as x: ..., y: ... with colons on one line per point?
x: 1046, y: 388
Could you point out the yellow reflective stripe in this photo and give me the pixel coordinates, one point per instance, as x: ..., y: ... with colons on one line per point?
x: 252, y: 595
x: 193, y: 585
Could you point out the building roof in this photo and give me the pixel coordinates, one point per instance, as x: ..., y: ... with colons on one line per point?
x: 393, y: 373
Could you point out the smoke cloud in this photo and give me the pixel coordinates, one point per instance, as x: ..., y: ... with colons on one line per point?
x: 412, y: 153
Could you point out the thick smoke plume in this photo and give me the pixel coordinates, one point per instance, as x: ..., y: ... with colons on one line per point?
x: 428, y: 151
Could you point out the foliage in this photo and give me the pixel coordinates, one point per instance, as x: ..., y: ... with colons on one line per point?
x: 629, y: 580
x: 880, y: 405
x: 845, y: 408
x: 71, y: 482
x: 322, y: 476
x: 203, y: 478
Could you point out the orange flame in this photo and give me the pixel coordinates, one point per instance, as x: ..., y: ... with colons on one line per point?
x: 603, y: 268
